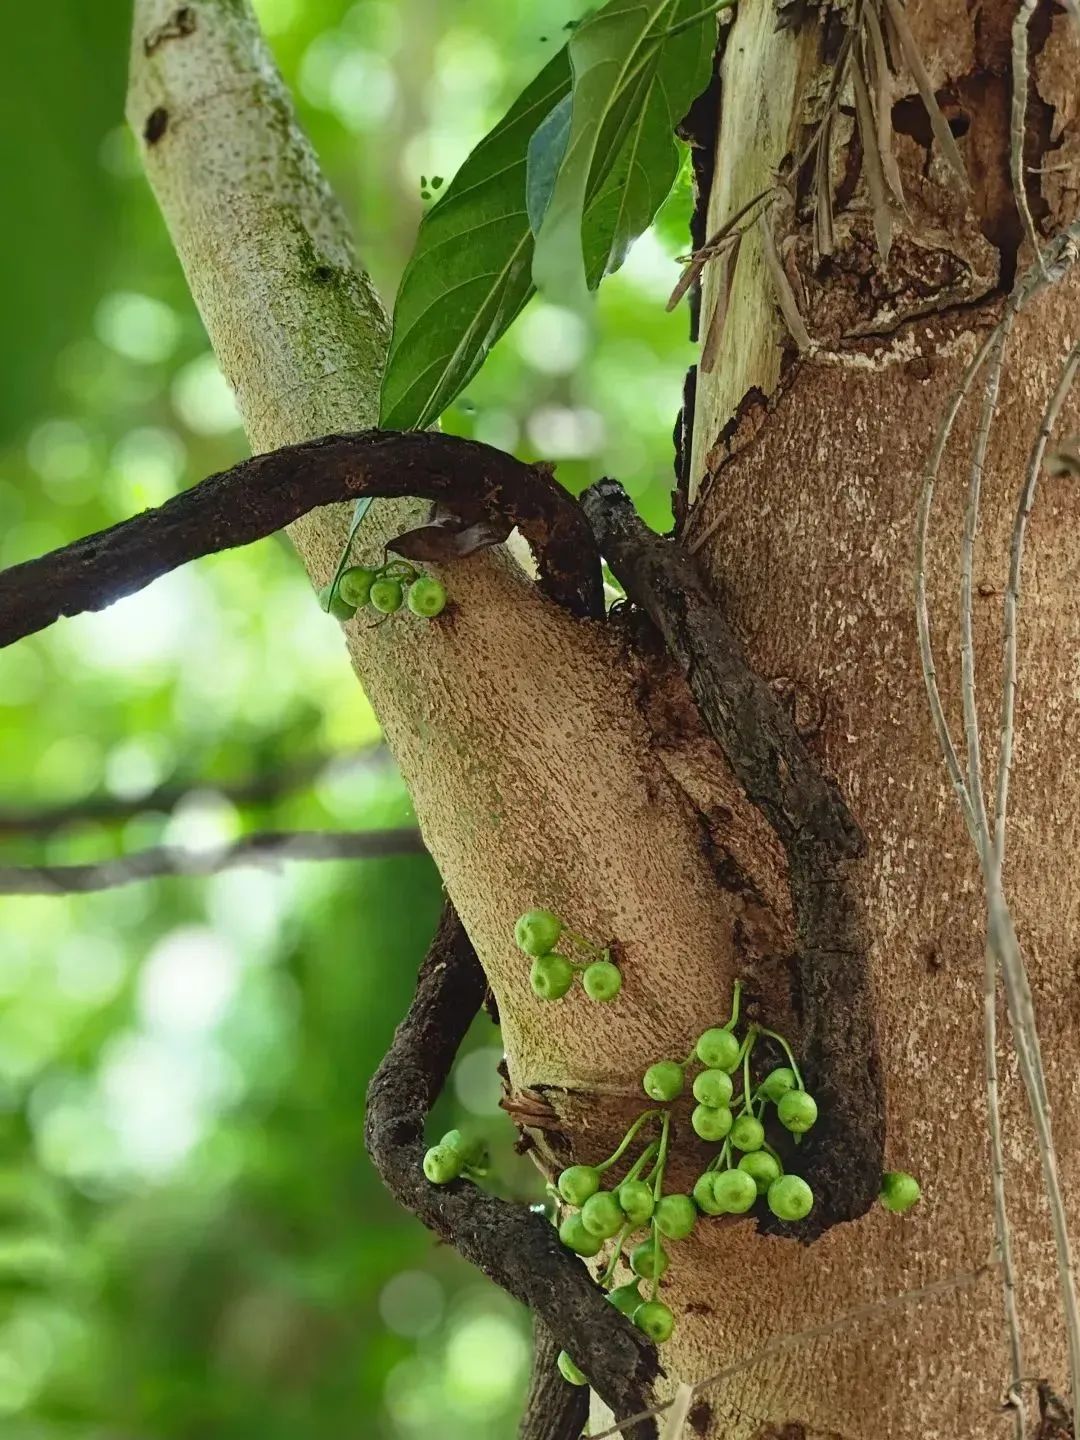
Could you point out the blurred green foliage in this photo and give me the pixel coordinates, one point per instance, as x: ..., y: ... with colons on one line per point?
x: 192, y: 1243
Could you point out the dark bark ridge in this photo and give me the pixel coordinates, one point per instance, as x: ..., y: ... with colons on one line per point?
x: 843, y: 1156
x: 483, y: 486
x: 516, y: 1248
x: 554, y: 1409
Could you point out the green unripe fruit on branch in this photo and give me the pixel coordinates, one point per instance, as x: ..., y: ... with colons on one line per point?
x: 655, y: 1320
x: 713, y: 1088
x: 711, y: 1124
x: 386, y: 596
x: 790, y: 1198
x: 762, y: 1168
x: 636, y: 1201
x: 675, y: 1216
x: 777, y: 1083
x: 473, y: 1153
x: 426, y: 597
x: 747, y: 1133
x: 625, y: 1298
x: 705, y: 1194
x: 648, y: 1260
x: 602, y: 1216
x: 577, y: 1183
x: 602, y: 980
x: 337, y: 607
x: 569, y: 1371
x: 734, y: 1191
x: 355, y: 584
x: 797, y: 1111
x: 537, y: 931
x: 442, y: 1164
x: 551, y: 976
x: 575, y: 1237
x: 899, y: 1191
x: 718, y: 1049
x: 664, y: 1081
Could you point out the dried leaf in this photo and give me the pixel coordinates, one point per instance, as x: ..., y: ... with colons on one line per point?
x: 687, y: 278
x: 725, y: 277
x: 875, y: 176
x: 824, y: 233
x: 450, y: 535
x: 785, y: 296
x: 940, y: 126
x: 879, y: 65
x: 1066, y: 459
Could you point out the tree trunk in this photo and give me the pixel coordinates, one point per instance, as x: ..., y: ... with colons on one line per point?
x: 550, y: 764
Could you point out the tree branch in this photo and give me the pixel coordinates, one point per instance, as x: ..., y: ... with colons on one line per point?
x: 482, y: 485
x: 516, y: 1248
x: 843, y: 1156
x: 270, y: 848
x: 262, y: 787
x: 554, y: 1409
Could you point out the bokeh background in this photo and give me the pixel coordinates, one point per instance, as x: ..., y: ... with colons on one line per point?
x: 192, y: 1243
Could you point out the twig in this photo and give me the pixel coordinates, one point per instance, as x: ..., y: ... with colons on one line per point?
x: 483, y: 486
x: 861, y: 1315
x: 263, y: 787
x: 270, y: 848
x: 554, y: 1409
x: 516, y: 1248
x: 1018, y: 119
x: 821, y: 839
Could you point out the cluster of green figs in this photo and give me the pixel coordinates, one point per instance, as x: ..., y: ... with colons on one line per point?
x: 385, y: 589
x: 552, y: 973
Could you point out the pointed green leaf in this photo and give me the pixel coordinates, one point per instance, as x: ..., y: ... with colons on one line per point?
x: 469, y: 275
x: 632, y: 84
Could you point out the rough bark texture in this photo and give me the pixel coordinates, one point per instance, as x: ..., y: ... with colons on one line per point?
x: 806, y: 494
x: 555, y: 761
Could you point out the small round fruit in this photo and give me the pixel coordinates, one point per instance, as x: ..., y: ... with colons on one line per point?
x: 339, y: 608
x: 718, y: 1049
x: 734, y: 1191
x: 442, y: 1164
x: 355, y: 584
x: 899, y: 1191
x: 577, y: 1183
x: 762, y: 1168
x: 675, y: 1216
x: 602, y: 980
x: 705, y: 1194
x: 551, y: 976
x: 790, y: 1198
x: 777, y: 1083
x: 426, y: 597
x: 386, y: 596
x: 602, y: 1216
x: 537, y: 931
x: 569, y: 1371
x: 711, y: 1123
x: 713, y: 1087
x: 636, y: 1201
x: 664, y: 1081
x: 648, y: 1260
x: 748, y: 1133
x: 655, y: 1320
x: 575, y: 1237
x: 625, y: 1298
x: 797, y: 1111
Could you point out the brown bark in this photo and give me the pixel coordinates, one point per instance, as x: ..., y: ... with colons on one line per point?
x: 804, y: 521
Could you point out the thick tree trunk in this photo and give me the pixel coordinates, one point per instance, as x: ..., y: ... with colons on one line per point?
x: 548, y: 766
x: 804, y: 495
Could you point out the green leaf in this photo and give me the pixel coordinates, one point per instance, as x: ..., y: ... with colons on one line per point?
x: 469, y: 276
x: 633, y: 82
x: 360, y: 509
x: 471, y: 272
